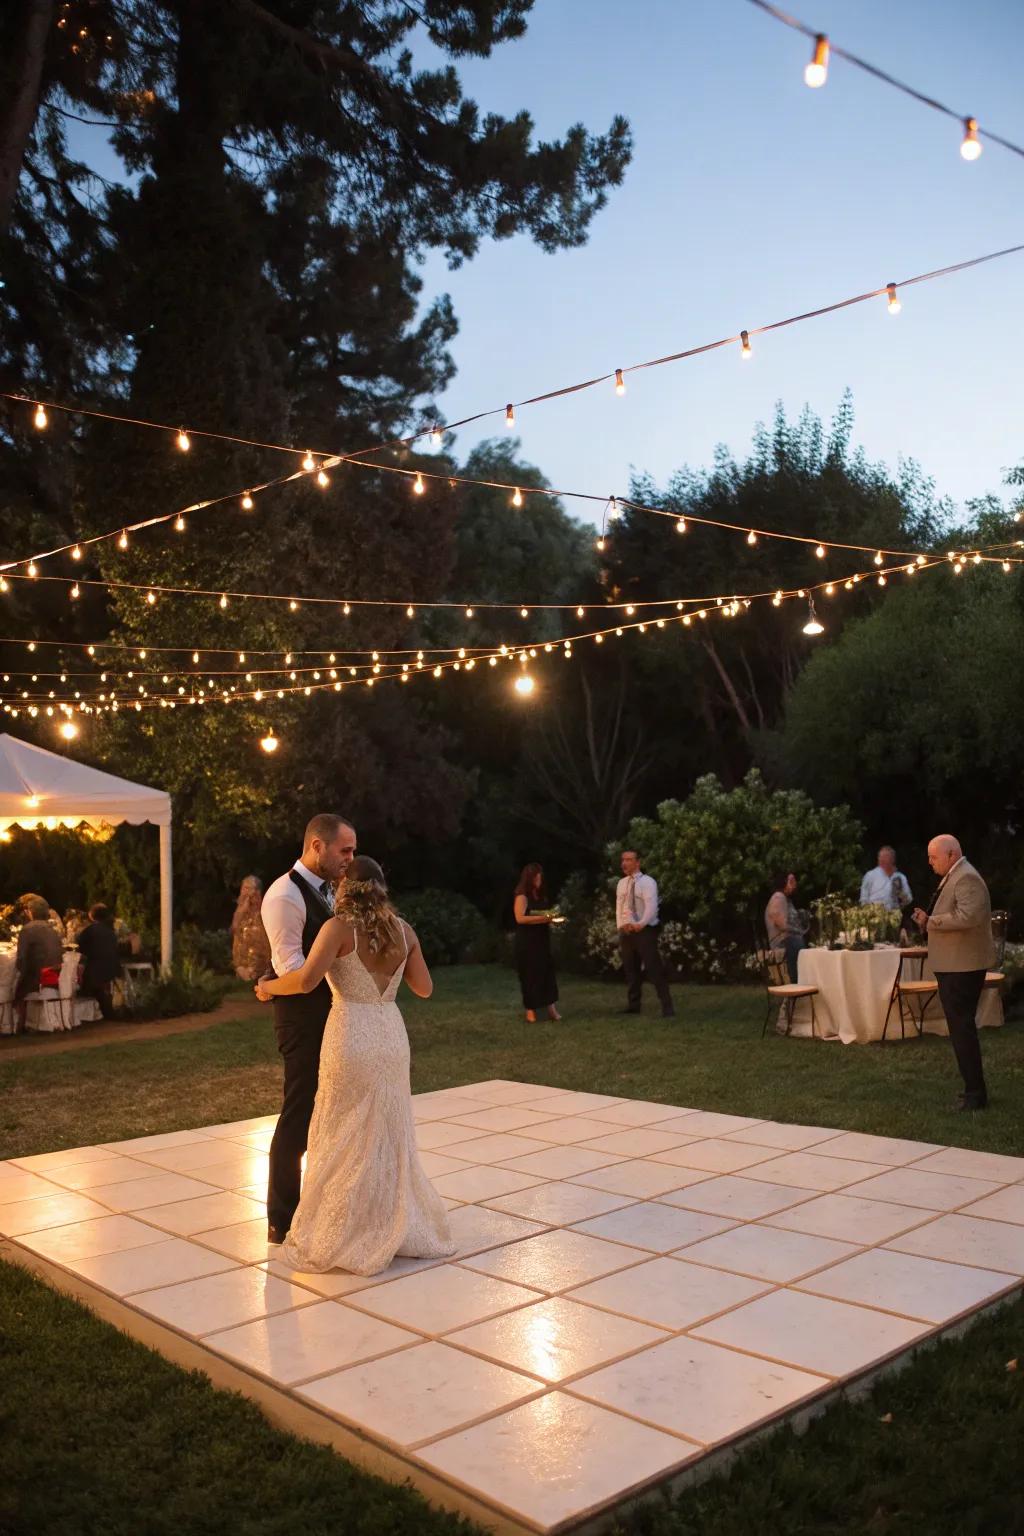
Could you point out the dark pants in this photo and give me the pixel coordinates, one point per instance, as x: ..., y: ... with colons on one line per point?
x: 959, y: 994
x: 792, y: 945
x: 640, y: 959
x: 101, y: 991
x: 299, y: 1043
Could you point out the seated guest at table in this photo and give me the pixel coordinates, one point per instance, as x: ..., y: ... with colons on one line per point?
x: 885, y: 885
x: 39, y: 950
x: 787, y: 930
x: 98, y: 946
x: 74, y: 922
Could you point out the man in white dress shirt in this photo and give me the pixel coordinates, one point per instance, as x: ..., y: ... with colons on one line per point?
x: 636, y: 918
x: 885, y: 884
x: 294, y: 910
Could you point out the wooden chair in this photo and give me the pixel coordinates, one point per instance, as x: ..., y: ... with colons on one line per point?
x: 911, y: 997
x: 780, y: 991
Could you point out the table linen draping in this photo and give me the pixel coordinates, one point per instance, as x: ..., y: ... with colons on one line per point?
x: 854, y: 988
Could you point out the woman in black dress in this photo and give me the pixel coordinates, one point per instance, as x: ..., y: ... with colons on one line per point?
x: 533, y: 946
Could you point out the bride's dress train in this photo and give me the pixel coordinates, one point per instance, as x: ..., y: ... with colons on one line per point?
x: 365, y: 1196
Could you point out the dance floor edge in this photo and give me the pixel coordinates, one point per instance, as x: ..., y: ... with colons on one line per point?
x: 635, y: 1296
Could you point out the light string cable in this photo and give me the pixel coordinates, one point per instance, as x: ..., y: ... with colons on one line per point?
x: 817, y: 69
x: 687, y: 610
x: 320, y: 462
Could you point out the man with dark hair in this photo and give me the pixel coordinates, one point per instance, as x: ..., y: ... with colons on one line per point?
x: 97, y: 945
x: 294, y: 910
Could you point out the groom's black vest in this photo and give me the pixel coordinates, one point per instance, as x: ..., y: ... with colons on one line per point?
x: 307, y: 1007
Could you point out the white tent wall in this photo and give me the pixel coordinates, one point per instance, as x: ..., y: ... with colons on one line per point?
x: 40, y: 789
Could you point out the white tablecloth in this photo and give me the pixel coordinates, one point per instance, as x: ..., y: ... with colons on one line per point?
x: 64, y: 1012
x: 854, y: 987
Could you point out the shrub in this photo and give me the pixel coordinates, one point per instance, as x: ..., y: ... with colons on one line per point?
x: 448, y: 925
x: 713, y: 855
x: 187, y: 989
x: 206, y: 948
x: 688, y: 954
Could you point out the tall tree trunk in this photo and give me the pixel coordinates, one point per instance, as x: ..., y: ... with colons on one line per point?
x: 23, y: 76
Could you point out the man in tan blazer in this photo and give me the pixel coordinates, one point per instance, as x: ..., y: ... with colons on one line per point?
x: 960, y: 951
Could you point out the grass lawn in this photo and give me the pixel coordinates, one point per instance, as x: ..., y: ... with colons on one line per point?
x: 101, y: 1435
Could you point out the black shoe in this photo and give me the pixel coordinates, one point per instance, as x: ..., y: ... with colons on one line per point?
x: 275, y: 1234
x: 629, y: 1010
x: 964, y: 1105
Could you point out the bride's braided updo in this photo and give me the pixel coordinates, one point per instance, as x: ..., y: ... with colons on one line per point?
x: 362, y: 900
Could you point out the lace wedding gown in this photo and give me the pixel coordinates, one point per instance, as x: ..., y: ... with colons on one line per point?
x: 365, y: 1196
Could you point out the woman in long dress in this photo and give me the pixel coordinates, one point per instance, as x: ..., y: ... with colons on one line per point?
x: 365, y: 1196
x: 250, y: 947
x: 537, y: 980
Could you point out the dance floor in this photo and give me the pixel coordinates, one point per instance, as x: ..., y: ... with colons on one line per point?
x: 638, y: 1287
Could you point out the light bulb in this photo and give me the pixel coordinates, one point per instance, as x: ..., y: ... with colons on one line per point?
x: 76, y: 553
x: 517, y: 499
x: 614, y: 510
x: 418, y: 485
x: 814, y: 625
x: 620, y: 384
x: 820, y: 551
x: 1006, y: 566
x: 293, y: 606
x: 971, y: 146
x: 681, y: 525
x: 75, y: 592
x: 151, y: 598
x: 436, y: 435
x: 247, y: 502
x: 184, y: 441
x: 510, y: 415
x: 816, y: 72
x: 179, y: 524
x: 33, y: 569
x: 122, y: 542
x: 881, y: 581
x: 524, y: 613
x: 223, y: 600
x: 69, y: 730
x: 39, y: 420
x: 346, y: 610
x: 751, y: 537
x: 322, y: 478
x: 410, y: 612
x: 308, y: 463
x: 600, y: 543
x: 469, y: 613
x: 269, y: 742
x: 894, y: 304
x: 524, y: 684
x: 195, y: 657
x: 746, y: 351
x: 878, y: 558
x: 829, y: 590
x: 579, y: 612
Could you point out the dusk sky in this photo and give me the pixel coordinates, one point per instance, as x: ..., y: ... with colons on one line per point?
x: 750, y: 198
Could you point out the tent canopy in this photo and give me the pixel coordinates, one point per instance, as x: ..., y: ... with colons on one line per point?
x: 43, y: 788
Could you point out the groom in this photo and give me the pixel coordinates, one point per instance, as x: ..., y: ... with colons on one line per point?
x: 294, y: 910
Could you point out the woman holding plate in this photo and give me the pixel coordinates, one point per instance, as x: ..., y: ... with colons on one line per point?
x: 533, y: 945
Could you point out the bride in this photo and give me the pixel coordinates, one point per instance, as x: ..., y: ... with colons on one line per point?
x: 365, y: 1196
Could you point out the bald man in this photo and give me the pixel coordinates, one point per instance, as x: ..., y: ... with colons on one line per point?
x: 960, y: 949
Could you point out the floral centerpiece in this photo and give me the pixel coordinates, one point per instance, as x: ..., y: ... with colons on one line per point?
x: 843, y: 924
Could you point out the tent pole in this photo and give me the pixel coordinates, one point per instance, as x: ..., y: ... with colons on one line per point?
x: 166, y: 898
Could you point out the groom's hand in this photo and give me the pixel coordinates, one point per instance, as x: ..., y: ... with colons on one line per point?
x: 261, y: 989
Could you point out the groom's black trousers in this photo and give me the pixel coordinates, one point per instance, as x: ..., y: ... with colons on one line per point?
x: 299, y: 1024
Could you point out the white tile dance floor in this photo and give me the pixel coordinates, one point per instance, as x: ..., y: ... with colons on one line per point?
x: 637, y: 1285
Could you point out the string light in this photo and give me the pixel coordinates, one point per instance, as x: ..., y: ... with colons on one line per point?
x: 614, y: 510
x: 435, y: 435
x: 122, y: 542
x: 247, y: 502
x: 517, y: 499
x: 410, y: 612
x: 746, y: 351
x: 524, y: 685
x: 223, y: 600
x: 620, y: 383
x: 76, y: 553
x: 751, y: 537
x: 269, y: 742
x: 179, y: 524
x: 323, y: 479
x: 681, y: 525
x: 816, y: 72
x: 878, y: 558
x: 40, y: 419
x: 418, y: 485
x: 33, y: 569
x: 600, y: 543
x: 820, y: 551
x: 183, y: 440
x: 894, y: 304
x: 814, y: 625
x: 971, y: 146
x: 69, y: 730
x: 151, y: 598
x: 76, y: 591
x: 510, y: 415
x: 309, y: 463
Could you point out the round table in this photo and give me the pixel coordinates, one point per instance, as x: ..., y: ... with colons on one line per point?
x: 65, y: 1011
x: 854, y: 988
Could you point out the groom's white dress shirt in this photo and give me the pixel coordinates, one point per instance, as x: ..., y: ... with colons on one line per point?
x: 284, y: 917
x: 636, y: 901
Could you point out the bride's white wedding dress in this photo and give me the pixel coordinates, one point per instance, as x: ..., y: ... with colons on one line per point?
x: 365, y: 1196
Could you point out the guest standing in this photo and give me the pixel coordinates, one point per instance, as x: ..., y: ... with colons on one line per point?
x: 636, y: 918
x: 786, y: 928
x: 960, y: 950
x: 536, y: 968
x: 885, y: 885
x: 100, y: 952
x: 250, y: 947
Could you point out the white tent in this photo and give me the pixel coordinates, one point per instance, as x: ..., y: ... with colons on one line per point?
x: 43, y: 789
